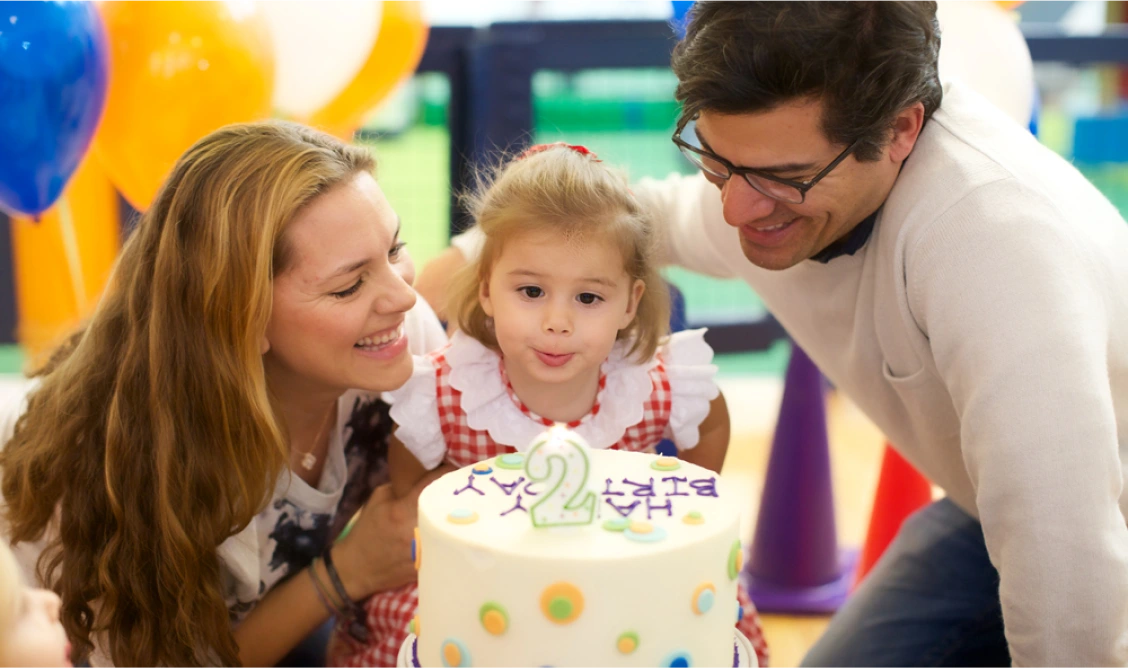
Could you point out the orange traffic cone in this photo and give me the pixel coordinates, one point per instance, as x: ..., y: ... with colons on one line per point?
x: 901, y: 490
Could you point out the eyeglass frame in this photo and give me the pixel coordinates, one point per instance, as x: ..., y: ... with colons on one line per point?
x: 801, y: 186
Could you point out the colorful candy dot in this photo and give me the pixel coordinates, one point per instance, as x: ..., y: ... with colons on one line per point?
x: 653, y: 535
x: 666, y: 464
x: 677, y: 660
x: 414, y: 628
x: 694, y: 517
x: 735, y: 560
x: 462, y: 516
x: 454, y: 653
x: 494, y: 618
x: 416, y: 549
x: 641, y: 527
x: 704, y: 597
x: 627, y: 642
x: 739, y: 612
x: 562, y: 602
x: 482, y: 469
x: 512, y: 461
x: 617, y: 524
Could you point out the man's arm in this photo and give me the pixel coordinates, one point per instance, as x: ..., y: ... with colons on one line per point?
x: 1019, y: 334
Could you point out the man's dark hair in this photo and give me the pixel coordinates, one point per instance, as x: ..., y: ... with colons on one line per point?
x: 866, y: 61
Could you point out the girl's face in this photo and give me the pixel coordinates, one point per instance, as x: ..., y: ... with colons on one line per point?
x: 36, y: 638
x: 339, y: 308
x: 558, y: 305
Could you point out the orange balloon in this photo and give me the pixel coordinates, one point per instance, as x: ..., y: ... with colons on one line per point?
x: 63, y: 260
x: 395, y: 55
x: 178, y: 71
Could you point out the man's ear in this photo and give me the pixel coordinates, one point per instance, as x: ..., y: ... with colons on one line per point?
x: 906, y: 129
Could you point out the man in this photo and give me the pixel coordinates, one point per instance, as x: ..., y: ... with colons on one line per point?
x: 965, y: 286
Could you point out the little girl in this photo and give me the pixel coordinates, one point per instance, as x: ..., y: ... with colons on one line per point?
x: 563, y: 318
x: 30, y: 631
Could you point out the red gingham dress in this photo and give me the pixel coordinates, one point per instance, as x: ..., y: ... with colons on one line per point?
x: 390, y: 613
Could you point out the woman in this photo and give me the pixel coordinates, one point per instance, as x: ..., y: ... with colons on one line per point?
x: 198, y: 442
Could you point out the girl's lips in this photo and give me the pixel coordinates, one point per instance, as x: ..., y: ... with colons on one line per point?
x: 554, y: 360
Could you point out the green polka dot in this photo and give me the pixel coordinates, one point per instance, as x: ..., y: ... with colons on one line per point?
x: 617, y: 524
x: 627, y: 642
x: 735, y: 560
x: 560, y: 608
x: 513, y: 461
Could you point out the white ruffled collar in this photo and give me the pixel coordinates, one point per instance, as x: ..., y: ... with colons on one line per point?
x: 476, y: 372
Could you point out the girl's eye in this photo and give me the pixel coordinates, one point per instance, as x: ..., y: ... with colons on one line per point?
x: 394, y: 253
x: 350, y: 291
x: 588, y: 298
x: 531, y: 291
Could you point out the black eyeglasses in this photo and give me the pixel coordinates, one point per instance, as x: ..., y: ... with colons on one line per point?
x: 784, y: 190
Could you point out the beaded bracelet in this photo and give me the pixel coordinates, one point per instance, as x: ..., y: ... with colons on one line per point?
x: 322, y: 594
x: 355, y: 616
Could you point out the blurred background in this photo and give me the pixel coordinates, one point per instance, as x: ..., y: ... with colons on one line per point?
x: 98, y: 99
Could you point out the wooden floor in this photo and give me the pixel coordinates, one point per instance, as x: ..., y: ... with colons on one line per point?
x: 856, y: 447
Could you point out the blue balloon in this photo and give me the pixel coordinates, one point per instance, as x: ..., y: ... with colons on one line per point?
x: 54, y: 67
x: 678, y: 22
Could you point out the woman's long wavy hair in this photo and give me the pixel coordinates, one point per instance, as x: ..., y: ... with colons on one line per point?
x: 152, y: 438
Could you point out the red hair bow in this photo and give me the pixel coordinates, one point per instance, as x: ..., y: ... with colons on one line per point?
x: 539, y: 148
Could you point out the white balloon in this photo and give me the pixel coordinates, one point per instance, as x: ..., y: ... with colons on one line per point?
x: 981, y: 45
x: 318, y: 48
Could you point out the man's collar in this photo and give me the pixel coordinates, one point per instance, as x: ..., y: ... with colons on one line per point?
x: 851, y: 243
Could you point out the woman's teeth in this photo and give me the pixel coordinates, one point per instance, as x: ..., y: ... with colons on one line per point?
x: 378, y: 341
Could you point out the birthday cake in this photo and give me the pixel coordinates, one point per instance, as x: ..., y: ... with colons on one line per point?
x: 569, y: 556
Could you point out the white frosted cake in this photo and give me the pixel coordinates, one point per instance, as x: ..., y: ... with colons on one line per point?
x: 570, y: 557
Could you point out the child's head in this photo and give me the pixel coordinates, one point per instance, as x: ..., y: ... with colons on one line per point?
x: 30, y: 631
x: 567, y: 266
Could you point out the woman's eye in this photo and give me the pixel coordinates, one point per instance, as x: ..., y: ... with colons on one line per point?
x: 394, y: 253
x: 588, y: 298
x: 350, y: 291
x: 531, y: 291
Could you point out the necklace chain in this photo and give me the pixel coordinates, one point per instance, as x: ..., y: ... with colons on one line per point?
x: 309, y: 460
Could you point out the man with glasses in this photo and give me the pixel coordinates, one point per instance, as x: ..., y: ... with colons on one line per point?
x: 965, y: 286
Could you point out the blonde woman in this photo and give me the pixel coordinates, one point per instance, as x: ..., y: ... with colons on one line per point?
x: 30, y: 632
x: 186, y: 459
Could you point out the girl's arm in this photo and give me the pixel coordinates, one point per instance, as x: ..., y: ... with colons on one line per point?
x: 713, y: 438
x: 403, y: 468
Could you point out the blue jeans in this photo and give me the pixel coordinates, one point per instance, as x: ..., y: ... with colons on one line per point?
x: 931, y: 600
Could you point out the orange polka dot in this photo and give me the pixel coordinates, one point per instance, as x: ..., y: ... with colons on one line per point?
x: 452, y: 654
x: 641, y: 527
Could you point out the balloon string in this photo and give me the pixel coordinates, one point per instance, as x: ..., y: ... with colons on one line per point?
x: 70, y: 249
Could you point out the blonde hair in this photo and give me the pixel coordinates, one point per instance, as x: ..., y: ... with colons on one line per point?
x: 152, y: 437
x: 11, y: 591
x: 567, y: 190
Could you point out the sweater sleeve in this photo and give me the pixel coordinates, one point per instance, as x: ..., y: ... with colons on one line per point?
x: 682, y: 209
x: 1009, y: 306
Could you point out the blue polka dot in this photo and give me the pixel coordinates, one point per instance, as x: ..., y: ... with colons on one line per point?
x: 739, y: 613
x: 413, y: 549
x: 678, y: 660
x: 461, y: 513
x: 656, y: 534
x: 705, y: 601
